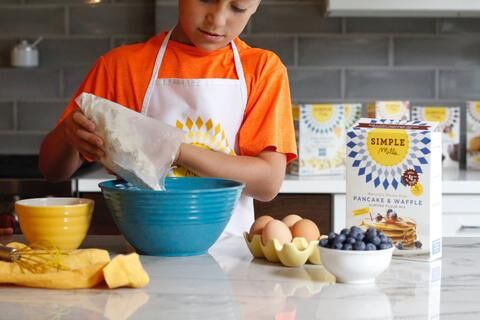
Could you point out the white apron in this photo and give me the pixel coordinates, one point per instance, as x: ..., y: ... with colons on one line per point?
x: 210, y: 111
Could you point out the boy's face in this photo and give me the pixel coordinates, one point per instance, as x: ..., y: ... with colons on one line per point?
x: 212, y: 24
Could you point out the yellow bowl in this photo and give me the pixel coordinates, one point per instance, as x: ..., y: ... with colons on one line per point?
x: 59, y: 222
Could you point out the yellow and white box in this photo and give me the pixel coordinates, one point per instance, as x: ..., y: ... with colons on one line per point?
x: 394, y: 110
x: 352, y: 113
x: 448, y: 119
x: 320, y: 133
x: 473, y: 135
x: 394, y: 183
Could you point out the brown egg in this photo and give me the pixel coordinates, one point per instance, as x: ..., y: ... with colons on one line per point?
x: 291, y: 219
x: 276, y: 229
x: 307, y: 229
x: 258, y: 225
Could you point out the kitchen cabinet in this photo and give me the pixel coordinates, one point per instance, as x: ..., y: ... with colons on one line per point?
x: 316, y: 207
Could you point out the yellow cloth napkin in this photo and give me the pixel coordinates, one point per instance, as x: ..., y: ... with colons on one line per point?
x: 82, y: 268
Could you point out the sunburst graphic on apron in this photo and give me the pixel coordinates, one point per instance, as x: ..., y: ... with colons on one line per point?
x: 203, y: 134
x: 386, y: 176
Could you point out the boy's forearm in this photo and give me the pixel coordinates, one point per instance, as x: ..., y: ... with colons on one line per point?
x: 58, y: 160
x: 263, y: 175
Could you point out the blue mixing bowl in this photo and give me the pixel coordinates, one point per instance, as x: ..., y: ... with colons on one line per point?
x: 184, y: 220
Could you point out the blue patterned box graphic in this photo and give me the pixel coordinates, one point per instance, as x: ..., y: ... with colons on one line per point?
x: 389, y: 177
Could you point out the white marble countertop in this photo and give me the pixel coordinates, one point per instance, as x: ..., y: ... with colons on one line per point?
x: 454, y: 182
x: 228, y: 284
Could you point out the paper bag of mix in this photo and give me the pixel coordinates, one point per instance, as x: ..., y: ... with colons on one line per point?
x: 394, y: 183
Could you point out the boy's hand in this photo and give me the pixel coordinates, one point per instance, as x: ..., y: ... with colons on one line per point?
x: 80, y: 133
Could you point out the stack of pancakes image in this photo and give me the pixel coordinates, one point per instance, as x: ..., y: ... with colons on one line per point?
x: 403, y: 230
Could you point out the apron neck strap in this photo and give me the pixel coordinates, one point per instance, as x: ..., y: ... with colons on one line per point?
x: 158, y: 63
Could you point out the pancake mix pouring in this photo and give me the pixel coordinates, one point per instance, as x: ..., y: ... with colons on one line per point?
x: 394, y: 179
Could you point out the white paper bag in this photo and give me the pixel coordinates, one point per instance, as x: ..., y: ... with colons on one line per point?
x: 138, y: 148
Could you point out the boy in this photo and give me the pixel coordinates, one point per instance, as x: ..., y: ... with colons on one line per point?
x: 202, y: 78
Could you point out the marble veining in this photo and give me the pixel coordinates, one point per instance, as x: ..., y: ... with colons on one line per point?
x: 228, y: 283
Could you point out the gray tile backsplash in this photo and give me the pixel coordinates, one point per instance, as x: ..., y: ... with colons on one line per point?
x: 390, y: 84
x: 343, y: 51
x: 50, y: 111
x: 425, y: 60
x: 17, y: 84
x: 72, y: 51
x: 6, y: 116
x: 112, y: 19
x: 24, y: 21
x: 390, y: 25
x: 293, y: 18
x: 312, y: 84
x: 437, y: 51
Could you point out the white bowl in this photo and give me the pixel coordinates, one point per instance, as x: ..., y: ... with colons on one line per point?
x: 355, y: 267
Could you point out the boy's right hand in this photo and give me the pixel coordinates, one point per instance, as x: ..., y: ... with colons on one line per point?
x: 80, y: 133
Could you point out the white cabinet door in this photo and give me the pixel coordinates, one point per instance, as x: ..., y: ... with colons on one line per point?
x: 461, y: 216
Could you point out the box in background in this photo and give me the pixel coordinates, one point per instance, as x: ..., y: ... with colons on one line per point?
x: 473, y: 135
x: 394, y: 110
x: 394, y: 181
x: 448, y: 119
x: 353, y: 113
x: 320, y: 134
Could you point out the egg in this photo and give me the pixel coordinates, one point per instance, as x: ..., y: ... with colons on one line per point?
x: 258, y: 225
x: 276, y: 229
x: 307, y: 229
x: 291, y: 219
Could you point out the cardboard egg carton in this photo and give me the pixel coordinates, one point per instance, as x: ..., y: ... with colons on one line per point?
x: 293, y: 254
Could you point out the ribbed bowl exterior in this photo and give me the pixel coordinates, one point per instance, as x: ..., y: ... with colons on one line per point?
x: 48, y: 223
x: 184, y: 220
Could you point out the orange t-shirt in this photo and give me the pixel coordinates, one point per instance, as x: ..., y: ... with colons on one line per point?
x: 123, y: 74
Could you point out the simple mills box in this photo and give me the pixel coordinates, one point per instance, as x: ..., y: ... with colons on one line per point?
x: 394, y: 181
x: 320, y: 133
x: 473, y: 135
x: 448, y: 119
x: 394, y: 110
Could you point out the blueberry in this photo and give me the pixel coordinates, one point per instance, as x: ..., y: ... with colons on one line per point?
x: 371, y: 247
x: 341, y: 238
x: 381, y: 234
x: 347, y: 246
x: 418, y: 244
x: 383, y: 246
x: 332, y: 235
x: 356, y: 229
x: 351, y: 240
x: 376, y: 240
x: 337, y: 245
x: 399, y: 246
x: 323, y: 242
x: 359, y: 246
x: 360, y: 236
x: 344, y: 231
x: 371, y: 232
